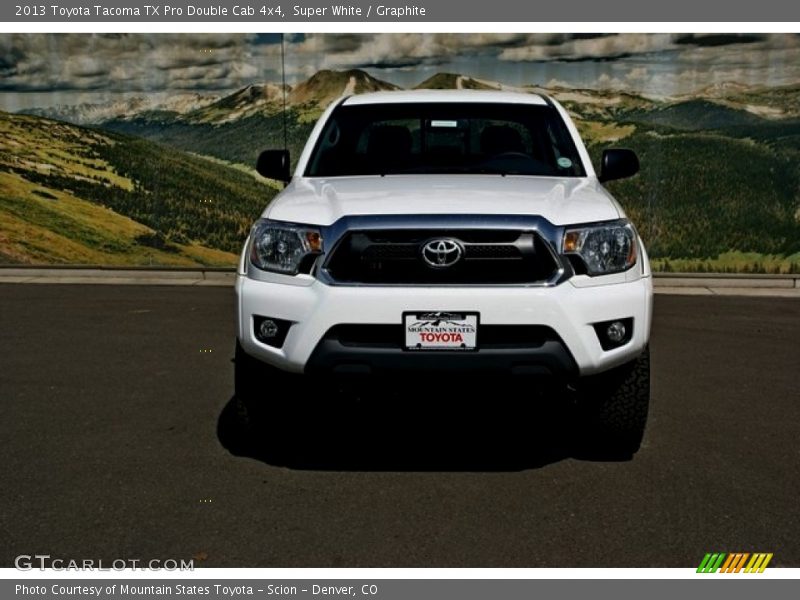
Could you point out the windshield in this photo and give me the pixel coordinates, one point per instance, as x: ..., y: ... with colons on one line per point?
x: 417, y: 138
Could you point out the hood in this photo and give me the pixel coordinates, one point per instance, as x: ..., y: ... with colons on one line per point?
x: 562, y: 201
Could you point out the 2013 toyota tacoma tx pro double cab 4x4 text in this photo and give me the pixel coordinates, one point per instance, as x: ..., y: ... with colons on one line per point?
x: 436, y: 231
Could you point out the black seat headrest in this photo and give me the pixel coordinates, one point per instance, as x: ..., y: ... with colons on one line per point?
x: 391, y: 141
x: 497, y: 139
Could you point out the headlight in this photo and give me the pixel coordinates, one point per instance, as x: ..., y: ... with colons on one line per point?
x: 604, y: 248
x: 283, y: 247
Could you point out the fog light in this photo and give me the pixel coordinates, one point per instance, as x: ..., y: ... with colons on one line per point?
x: 615, y: 332
x: 269, y: 329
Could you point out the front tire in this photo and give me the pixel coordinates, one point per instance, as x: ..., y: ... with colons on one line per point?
x: 614, y: 407
x: 256, y: 388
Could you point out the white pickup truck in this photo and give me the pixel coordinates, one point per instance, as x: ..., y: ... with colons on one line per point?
x: 435, y: 232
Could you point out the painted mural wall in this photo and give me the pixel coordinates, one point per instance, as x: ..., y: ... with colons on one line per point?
x: 131, y: 149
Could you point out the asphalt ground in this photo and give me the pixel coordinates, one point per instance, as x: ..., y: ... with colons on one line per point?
x: 119, y: 438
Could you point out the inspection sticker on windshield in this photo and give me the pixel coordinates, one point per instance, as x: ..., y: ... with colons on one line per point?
x: 564, y: 162
x: 441, y: 330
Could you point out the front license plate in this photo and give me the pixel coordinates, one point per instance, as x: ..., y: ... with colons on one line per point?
x: 441, y: 330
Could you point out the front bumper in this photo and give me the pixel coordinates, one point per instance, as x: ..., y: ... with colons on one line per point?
x: 569, y: 309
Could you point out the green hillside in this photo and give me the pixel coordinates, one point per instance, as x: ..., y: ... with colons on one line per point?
x: 70, y: 194
x: 699, y: 195
x: 719, y: 187
x: 695, y: 115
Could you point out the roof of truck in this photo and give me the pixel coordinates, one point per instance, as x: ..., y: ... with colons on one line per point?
x: 411, y: 96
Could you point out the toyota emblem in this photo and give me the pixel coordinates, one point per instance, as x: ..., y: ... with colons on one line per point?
x: 441, y: 253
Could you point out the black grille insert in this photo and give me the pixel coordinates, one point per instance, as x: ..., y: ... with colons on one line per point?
x: 396, y: 257
x: 489, y: 336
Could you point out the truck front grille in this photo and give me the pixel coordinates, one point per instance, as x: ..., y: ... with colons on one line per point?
x: 485, y: 257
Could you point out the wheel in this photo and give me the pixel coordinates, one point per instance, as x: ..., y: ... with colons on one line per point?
x: 614, y: 407
x: 257, y: 389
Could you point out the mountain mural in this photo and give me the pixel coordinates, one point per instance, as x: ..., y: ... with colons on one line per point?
x: 719, y: 188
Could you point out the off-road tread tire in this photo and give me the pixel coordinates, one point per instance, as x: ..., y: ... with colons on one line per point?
x: 616, y: 406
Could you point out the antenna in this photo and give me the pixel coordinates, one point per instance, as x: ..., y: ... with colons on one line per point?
x: 283, y: 86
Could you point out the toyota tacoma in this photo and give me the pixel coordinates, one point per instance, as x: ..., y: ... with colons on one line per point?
x: 462, y: 231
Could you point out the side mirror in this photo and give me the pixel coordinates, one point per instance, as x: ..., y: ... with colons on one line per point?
x: 618, y: 163
x: 274, y: 164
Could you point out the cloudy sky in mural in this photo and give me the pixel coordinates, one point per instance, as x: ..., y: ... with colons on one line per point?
x: 45, y: 69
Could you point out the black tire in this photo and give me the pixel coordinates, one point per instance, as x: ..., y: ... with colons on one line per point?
x: 614, y: 407
x: 257, y: 386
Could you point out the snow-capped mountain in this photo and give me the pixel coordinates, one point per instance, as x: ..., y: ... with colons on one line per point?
x: 92, y: 113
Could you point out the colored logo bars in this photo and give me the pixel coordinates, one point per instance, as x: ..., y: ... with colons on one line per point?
x: 735, y: 562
